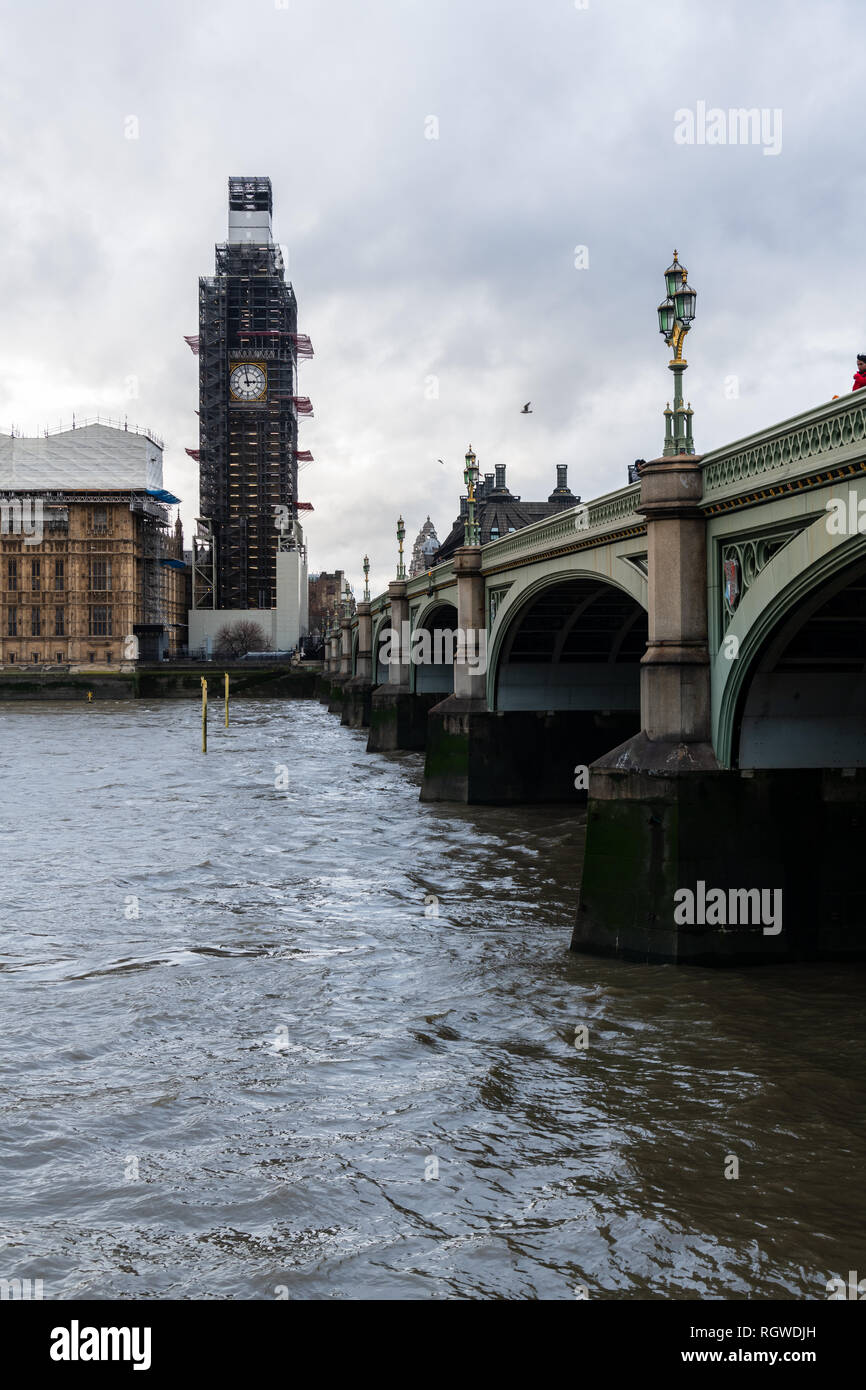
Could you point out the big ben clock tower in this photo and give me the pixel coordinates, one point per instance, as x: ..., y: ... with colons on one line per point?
x: 249, y: 346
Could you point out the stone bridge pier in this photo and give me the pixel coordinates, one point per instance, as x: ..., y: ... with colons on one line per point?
x: 358, y: 691
x: 329, y: 670
x: 459, y: 745
x: 397, y: 715
x: 690, y: 861
x: 341, y: 665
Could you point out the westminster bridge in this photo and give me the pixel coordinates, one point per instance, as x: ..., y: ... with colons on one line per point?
x: 687, y: 657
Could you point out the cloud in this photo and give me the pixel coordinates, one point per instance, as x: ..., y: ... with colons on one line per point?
x: 450, y: 257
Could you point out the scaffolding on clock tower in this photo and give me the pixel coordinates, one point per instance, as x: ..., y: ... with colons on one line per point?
x: 248, y: 448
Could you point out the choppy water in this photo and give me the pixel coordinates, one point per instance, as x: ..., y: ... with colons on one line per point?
x: 249, y: 1086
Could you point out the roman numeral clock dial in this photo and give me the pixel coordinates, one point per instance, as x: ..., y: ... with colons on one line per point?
x: 248, y: 381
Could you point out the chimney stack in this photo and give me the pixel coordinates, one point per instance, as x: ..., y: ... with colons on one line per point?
x: 562, y: 497
x: 500, y: 476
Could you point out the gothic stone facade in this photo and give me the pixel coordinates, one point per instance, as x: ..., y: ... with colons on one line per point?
x: 76, y: 593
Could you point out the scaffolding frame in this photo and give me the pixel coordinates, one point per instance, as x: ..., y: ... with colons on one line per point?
x: 204, y: 572
x: 248, y: 451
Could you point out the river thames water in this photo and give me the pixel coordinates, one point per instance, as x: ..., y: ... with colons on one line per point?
x: 243, y: 1057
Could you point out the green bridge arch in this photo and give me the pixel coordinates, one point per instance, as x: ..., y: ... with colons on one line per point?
x: 801, y: 575
x: 530, y: 587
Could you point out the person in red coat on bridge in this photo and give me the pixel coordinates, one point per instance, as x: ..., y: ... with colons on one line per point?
x: 860, y: 374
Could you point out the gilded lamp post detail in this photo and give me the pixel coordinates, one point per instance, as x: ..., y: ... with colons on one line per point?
x: 401, y: 536
x: 676, y: 313
x: 472, y: 533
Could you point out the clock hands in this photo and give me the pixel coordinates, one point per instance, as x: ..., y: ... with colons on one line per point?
x: 248, y: 386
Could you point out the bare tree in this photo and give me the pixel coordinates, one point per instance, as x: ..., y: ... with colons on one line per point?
x: 236, y: 639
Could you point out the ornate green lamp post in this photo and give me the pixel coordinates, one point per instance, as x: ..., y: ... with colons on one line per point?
x: 676, y: 313
x: 472, y: 534
x: 401, y: 536
x: 366, y: 568
x: 347, y: 599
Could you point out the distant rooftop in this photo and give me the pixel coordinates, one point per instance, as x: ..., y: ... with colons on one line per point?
x: 94, y: 454
x: 74, y: 424
x: 499, y: 511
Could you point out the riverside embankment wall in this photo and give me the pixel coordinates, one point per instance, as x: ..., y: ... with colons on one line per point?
x: 158, y: 682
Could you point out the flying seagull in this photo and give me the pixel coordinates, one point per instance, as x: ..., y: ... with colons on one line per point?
x: 526, y: 410
x: 442, y: 461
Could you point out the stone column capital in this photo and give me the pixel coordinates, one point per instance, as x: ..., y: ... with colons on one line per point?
x: 467, y: 559
x: 671, y: 487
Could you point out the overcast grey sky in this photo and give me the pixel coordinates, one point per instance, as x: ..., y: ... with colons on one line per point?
x: 450, y: 258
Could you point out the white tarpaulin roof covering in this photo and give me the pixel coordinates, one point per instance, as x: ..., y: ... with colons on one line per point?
x: 92, y: 456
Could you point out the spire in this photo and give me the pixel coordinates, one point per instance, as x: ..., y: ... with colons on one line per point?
x: 425, y: 547
x: 251, y: 205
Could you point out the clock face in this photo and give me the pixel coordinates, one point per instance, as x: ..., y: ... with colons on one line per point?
x: 248, y: 381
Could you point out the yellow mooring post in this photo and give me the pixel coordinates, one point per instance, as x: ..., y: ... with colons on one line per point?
x: 203, y: 715
x: 227, y: 699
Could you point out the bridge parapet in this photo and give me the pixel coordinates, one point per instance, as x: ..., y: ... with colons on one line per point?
x: 613, y: 509
x: 439, y: 578
x: 829, y: 437
x: 608, y: 513
x: 612, y: 512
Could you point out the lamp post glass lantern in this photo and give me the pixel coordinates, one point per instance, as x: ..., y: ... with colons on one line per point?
x: 676, y: 314
x: 673, y: 275
x: 667, y: 314
x: 684, y: 302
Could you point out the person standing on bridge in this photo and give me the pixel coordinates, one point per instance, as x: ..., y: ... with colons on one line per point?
x: 860, y: 374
